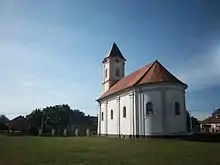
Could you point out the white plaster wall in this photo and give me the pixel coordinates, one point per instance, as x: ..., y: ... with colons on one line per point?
x: 164, y: 120
x: 175, y: 123
x: 111, y: 65
x: 106, y: 86
x: 151, y: 123
x: 106, y: 66
x: 215, y: 127
x: 106, y: 83
x: 125, y: 123
x: 112, y: 123
x: 114, y: 65
x: 103, y: 121
x: 99, y: 121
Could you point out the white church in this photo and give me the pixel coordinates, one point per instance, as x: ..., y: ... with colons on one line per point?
x: 148, y: 102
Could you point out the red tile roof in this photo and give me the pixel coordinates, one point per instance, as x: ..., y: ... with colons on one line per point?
x: 158, y: 73
x: 149, y: 74
x: 212, y: 119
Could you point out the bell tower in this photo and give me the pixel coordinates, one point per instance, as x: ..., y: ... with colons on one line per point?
x: 113, y: 67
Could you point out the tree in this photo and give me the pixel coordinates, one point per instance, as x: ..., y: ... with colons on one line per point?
x: 192, y: 121
x: 3, y: 122
x: 59, y: 117
x: 216, y: 112
x: 3, y: 119
x: 35, y: 120
x: 3, y: 126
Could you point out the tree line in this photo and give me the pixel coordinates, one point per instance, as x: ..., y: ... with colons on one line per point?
x: 58, y: 117
x: 3, y: 121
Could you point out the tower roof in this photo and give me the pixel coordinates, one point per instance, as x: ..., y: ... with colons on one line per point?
x: 152, y: 73
x: 114, y: 52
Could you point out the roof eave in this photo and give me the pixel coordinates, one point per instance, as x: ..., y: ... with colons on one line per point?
x: 112, y: 94
x: 101, y: 98
x: 185, y: 85
x: 106, y: 58
x: 165, y: 82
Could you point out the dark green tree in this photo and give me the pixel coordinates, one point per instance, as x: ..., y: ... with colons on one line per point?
x: 3, y: 119
x: 3, y: 122
x: 216, y: 112
x: 192, y: 120
x: 59, y: 117
x: 35, y: 120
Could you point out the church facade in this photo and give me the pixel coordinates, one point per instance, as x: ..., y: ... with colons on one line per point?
x: 150, y: 101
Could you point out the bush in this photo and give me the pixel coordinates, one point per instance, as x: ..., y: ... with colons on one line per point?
x: 3, y: 126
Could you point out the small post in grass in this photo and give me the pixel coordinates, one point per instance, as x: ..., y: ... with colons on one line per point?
x: 65, y: 132
x: 76, y: 132
x: 53, y: 132
x: 87, y: 132
x: 40, y: 132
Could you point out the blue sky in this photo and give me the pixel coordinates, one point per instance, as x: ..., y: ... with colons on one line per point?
x: 51, y: 51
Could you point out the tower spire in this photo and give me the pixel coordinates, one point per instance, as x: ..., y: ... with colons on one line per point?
x: 113, y: 67
x: 114, y: 52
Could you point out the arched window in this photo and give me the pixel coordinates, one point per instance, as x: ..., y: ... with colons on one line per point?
x: 124, y: 111
x: 106, y: 73
x: 117, y: 72
x: 177, y: 108
x: 111, y: 114
x: 149, y: 108
x: 102, y: 116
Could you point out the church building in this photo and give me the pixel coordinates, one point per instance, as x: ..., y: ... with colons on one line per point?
x: 150, y: 101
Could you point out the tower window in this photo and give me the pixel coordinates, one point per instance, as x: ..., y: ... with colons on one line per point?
x: 102, y: 116
x: 111, y: 114
x: 124, y: 111
x: 177, y: 108
x: 117, y: 60
x: 149, y: 108
x: 117, y: 72
x: 106, y: 73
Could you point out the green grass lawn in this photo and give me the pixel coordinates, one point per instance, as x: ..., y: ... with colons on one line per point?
x: 96, y: 151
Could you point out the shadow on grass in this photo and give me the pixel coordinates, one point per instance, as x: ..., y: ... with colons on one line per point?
x: 214, y: 138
